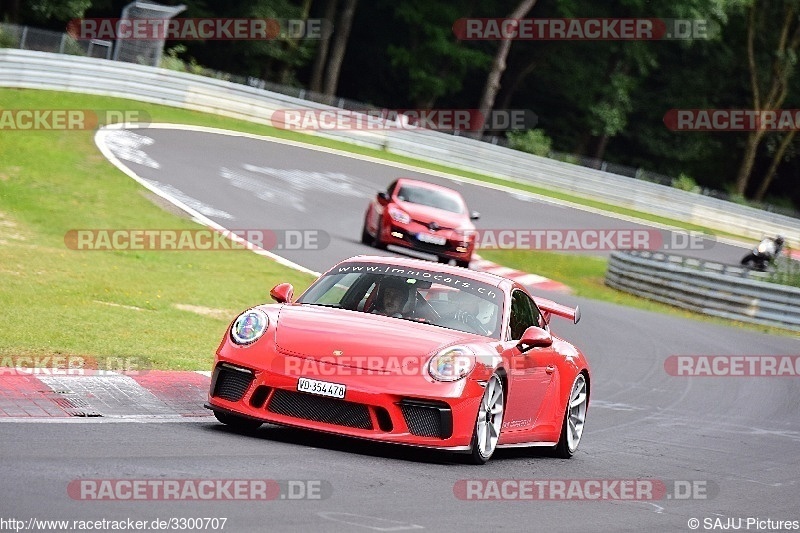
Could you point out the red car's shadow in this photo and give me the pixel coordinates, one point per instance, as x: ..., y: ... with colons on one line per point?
x: 399, y: 452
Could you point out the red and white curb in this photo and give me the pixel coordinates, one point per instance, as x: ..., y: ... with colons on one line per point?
x: 533, y: 281
x: 154, y: 395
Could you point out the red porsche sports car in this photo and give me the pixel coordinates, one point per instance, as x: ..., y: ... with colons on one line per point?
x: 399, y: 350
x: 424, y: 217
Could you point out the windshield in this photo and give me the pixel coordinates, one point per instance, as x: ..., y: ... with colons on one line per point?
x: 431, y: 198
x: 443, y: 300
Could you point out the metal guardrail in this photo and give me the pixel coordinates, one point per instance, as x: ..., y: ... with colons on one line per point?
x: 40, y: 70
x: 710, y: 288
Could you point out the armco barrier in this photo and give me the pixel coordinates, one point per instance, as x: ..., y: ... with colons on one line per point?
x: 42, y: 70
x: 708, y: 288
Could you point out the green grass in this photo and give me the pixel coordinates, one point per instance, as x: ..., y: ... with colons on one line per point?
x: 57, y: 301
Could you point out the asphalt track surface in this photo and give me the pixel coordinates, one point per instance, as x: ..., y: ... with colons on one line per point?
x: 738, y: 437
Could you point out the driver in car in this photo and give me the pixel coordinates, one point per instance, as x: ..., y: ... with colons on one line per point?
x: 476, y: 313
x: 393, y: 295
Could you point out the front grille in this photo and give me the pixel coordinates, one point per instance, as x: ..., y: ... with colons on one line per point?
x: 230, y: 383
x: 427, y: 418
x: 417, y: 244
x: 320, y: 409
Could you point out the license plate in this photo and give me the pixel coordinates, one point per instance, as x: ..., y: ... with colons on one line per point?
x: 431, y: 239
x: 323, y: 388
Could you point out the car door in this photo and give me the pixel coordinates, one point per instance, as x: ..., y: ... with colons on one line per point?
x: 530, y: 371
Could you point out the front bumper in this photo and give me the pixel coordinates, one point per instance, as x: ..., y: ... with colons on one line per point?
x: 408, y: 237
x: 399, y: 409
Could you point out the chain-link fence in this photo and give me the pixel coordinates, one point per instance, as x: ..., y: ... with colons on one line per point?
x: 27, y: 38
x: 144, y: 51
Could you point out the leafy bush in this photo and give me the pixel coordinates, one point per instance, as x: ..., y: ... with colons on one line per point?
x: 787, y: 270
x: 7, y: 40
x: 685, y: 183
x: 532, y: 141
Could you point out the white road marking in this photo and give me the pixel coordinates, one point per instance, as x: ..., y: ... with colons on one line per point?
x: 194, y: 203
x: 100, y: 141
x: 371, y: 522
x: 128, y: 146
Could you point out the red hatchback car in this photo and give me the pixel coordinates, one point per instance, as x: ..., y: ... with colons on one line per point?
x: 424, y: 217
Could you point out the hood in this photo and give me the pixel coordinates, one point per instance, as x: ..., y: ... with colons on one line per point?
x: 315, y: 332
x: 426, y: 214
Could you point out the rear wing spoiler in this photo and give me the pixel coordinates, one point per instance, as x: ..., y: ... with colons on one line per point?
x: 549, y: 307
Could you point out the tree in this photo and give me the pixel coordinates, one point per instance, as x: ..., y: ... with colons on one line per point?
x: 321, y: 57
x: 769, y: 87
x: 341, y: 36
x: 492, y: 86
x: 278, y: 59
x: 10, y: 11
x: 430, y: 58
x: 778, y: 157
x: 58, y: 9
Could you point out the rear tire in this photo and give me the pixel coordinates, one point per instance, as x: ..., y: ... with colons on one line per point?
x: 237, y: 423
x: 365, y: 236
x: 463, y: 264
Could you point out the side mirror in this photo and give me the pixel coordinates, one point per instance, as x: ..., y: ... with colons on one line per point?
x: 536, y: 338
x: 383, y: 198
x: 474, y: 215
x: 282, y: 293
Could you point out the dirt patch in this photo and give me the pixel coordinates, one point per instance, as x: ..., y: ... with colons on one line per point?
x: 112, y: 304
x: 169, y: 207
x: 219, y: 314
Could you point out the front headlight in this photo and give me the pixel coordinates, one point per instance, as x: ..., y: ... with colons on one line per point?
x: 249, y: 326
x: 398, y: 215
x: 451, y: 364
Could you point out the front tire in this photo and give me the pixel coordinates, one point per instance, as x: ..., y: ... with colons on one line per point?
x: 366, y: 238
x: 574, y: 418
x: 489, y: 421
x: 237, y: 423
x: 376, y: 241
